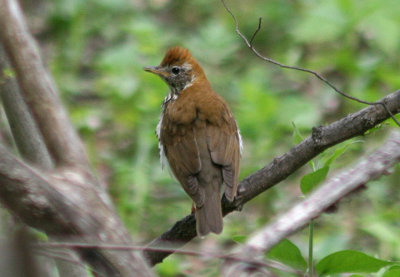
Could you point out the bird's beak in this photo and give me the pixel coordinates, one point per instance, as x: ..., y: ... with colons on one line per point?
x: 154, y: 69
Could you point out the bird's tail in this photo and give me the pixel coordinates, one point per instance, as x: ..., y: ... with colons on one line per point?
x: 209, y: 216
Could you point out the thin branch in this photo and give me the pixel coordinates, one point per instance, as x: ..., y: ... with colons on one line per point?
x: 118, y: 247
x: 332, y: 191
x: 281, y: 167
x: 77, y: 268
x: 316, y: 74
x: 256, y: 31
x: 66, y: 268
x: 39, y: 90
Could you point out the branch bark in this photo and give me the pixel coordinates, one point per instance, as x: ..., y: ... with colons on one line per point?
x: 331, y: 192
x: 66, y: 205
x: 280, y: 168
x: 29, y: 142
x: 66, y: 202
x: 25, y: 132
x: 38, y: 88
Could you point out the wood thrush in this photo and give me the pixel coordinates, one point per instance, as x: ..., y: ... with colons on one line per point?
x: 199, y: 137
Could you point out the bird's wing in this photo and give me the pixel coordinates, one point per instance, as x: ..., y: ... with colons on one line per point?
x: 224, y: 145
x: 181, y: 149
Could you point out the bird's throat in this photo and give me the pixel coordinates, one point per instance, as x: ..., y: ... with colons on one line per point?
x: 175, y: 91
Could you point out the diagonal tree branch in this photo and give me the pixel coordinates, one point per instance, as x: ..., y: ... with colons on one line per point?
x: 65, y: 205
x: 29, y: 195
x: 280, y: 168
x: 333, y: 190
x: 38, y: 88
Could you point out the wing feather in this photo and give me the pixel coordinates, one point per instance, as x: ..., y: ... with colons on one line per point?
x: 224, y: 146
x: 182, y: 152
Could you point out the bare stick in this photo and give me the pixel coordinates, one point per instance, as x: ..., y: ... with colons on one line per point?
x: 256, y: 31
x: 117, y: 247
x: 316, y: 74
x: 281, y: 167
x: 332, y: 191
x: 68, y: 262
x: 38, y: 88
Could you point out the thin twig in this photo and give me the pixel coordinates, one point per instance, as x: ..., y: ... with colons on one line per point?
x: 65, y: 258
x: 119, y: 247
x: 256, y: 31
x: 316, y: 74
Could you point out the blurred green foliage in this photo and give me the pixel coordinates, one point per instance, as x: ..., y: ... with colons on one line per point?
x: 96, y: 50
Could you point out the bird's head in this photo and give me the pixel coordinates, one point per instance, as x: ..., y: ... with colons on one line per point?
x: 178, y: 69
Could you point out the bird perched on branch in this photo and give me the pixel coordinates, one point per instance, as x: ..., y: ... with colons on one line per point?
x: 198, y: 136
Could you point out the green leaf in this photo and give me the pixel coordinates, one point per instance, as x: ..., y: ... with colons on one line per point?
x: 8, y: 73
x: 393, y: 271
x: 239, y: 238
x: 382, y: 230
x: 289, y: 254
x: 339, y: 151
x: 297, y: 137
x: 169, y: 267
x: 313, y: 179
x: 349, y: 261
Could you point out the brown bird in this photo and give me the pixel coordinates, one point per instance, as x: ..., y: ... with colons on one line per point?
x: 199, y: 137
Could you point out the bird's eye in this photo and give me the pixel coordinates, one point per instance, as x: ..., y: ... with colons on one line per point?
x: 175, y: 70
